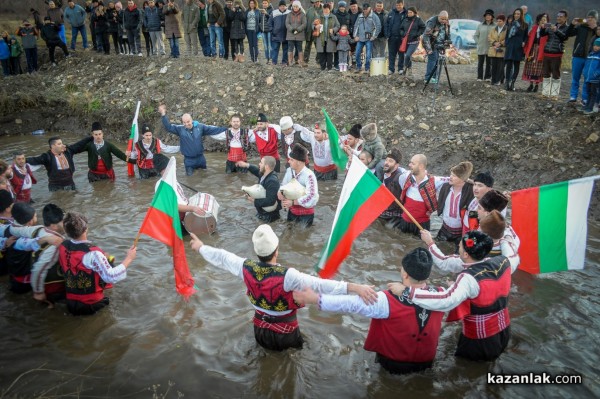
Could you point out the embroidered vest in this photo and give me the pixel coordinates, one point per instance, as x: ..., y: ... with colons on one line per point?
x: 264, y: 283
x: 82, y: 284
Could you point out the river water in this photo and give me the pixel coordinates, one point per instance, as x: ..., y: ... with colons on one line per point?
x: 150, y: 343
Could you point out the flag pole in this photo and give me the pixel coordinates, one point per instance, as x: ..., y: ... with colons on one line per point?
x: 137, y: 238
x: 408, y: 214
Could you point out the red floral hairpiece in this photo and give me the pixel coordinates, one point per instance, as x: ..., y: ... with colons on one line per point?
x: 470, y: 242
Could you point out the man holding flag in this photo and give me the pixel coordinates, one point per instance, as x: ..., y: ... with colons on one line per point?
x: 270, y: 288
x: 324, y: 167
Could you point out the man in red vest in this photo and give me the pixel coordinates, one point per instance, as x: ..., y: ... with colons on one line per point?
x: 266, y: 136
x: 478, y: 297
x: 404, y: 335
x: 22, y: 178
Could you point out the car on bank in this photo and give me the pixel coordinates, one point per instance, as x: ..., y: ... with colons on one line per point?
x: 462, y: 32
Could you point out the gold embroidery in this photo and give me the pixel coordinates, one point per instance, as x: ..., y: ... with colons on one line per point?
x: 263, y: 304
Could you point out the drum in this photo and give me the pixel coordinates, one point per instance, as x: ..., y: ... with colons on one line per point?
x: 379, y: 66
x: 202, y: 224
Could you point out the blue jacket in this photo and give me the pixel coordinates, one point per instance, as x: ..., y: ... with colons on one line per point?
x: 152, y: 19
x: 393, y: 22
x: 591, y: 70
x: 190, y: 141
x: 4, y: 50
x: 278, y: 29
x: 76, y: 16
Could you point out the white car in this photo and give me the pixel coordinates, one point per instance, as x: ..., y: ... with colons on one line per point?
x: 462, y: 32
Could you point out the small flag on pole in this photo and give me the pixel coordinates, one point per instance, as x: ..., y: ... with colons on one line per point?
x: 133, y: 138
x: 337, y: 153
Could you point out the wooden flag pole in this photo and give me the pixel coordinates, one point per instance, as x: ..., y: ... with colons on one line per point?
x: 408, y: 214
x: 135, y: 242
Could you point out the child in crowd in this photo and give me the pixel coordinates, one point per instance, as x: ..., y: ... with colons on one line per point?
x: 591, y: 72
x: 343, y: 40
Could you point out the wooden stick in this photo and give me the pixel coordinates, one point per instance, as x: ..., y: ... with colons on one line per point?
x: 408, y: 214
x: 135, y: 242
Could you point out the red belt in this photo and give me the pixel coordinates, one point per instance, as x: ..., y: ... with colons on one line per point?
x: 300, y: 210
x: 487, y: 325
x: 101, y: 170
x: 22, y: 279
x: 236, y: 154
x: 324, y: 169
x: 280, y: 324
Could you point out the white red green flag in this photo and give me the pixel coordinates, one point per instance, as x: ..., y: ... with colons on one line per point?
x: 337, y: 153
x: 551, y: 222
x: 134, y: 137
x: 162, y: 223
x: 362, y: 200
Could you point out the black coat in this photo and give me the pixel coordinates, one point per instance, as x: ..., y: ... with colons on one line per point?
x: 343, y: 18
x: 49, y: 33
x: 583, y: 35
x: 393, y: 23
x: 556, y: 40
x: 514, y: 45
x: 271, y: 185
x: 418, y: 28
x: 113, y: 20
x: 236, y: 21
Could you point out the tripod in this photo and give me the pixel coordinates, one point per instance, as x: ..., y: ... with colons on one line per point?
x: 437, y: 72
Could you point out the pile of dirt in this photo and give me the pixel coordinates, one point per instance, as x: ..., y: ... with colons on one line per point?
x: 523, y: 138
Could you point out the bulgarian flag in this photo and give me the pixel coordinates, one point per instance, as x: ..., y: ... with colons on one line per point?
x: 162, y: 223
x: 551, y: 222
x: 362, y: 200
x: 134, y: 137
x: 337, y: 153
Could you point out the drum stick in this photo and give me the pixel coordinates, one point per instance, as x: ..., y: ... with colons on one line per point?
x: 188, y: 187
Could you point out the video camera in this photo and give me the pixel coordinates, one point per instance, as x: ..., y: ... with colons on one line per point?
x: 444, y: 45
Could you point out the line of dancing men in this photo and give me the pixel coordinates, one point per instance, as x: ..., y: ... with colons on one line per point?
x: 57, y: 261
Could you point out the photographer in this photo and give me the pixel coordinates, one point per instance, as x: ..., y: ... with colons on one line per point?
x: 553, y: 52
x: 29, y: 35
x: 366, y: 30
x: 435, y: 41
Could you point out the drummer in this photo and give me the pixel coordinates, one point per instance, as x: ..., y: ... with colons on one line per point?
x: 160, y: 164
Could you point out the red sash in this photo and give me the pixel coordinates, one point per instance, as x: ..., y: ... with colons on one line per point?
x: 487, y: 325
x: 101, y: 170
x: 300, y: 210
x: 236, y: 154
x: 325, y: 169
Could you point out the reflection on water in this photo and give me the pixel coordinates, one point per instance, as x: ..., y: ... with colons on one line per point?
x: 149, y: 341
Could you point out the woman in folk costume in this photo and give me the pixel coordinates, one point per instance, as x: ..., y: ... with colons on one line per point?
x: 534, y: 53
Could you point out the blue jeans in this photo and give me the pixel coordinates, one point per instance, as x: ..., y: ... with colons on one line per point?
x: 275, y: 52
x: 174, y: 43
x: 62, y: 35
x: 31, y: 55
x: 204, y: 41
x: 74, y: 31
x: 369, y: 49
x: 252, y: 36
x: 576, y: 71
x: 193, y: 163
x: 216, y: 33
x: 432, y: 60
x: 410, y: 49
x: 266, y: 39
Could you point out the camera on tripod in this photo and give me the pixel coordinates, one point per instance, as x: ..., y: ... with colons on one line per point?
x: 445, y: 45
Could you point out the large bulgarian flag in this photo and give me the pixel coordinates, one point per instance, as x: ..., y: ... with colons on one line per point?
x: 134, y: 137
x: 162, y: 223
x: 362, y: 200
x: 337, y: 153
x: 551, y: 222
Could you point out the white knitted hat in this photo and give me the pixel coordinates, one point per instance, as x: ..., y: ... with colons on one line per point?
x: 286, y: 122
x: 265, y: 240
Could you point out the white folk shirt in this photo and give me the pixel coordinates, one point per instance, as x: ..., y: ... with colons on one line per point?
x: 306, y: 178
x: 293, y: 280
x: 451, y: 214
x: 166, y: 149
x: 321, y: 150
x: 413, y: 191
x: 263, y: 134
x: 236, y: 140
x: 27, y: 182
x: 97, y: 262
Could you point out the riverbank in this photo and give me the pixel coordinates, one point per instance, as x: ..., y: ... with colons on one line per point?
x: 523, y: 138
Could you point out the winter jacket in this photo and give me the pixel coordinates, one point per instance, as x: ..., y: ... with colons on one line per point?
x: 382, y: 19
x: 311, y: 15
x: 132, y: 19
x: 353, y: 18
x: 343, y: 42
x: 202, y: 20
x: 414, y: 33
x: 28, y: 36
x: 100, y: 23
x: 75, y: 16
x: 343, y: 18
x: 4, y: 50
x: 237, y: 24
x: 514, y: 45
x: 591, y: 69
x: 264, y: 21
x: 256, y: 14
x: 364, y: 25
x: 15, y: 48
x: 190, y: 15
x: 435, y: 34
x: 112, y: 16
x: 152, y: 19
x: 584, y: 36
x: 556, y: 40
x: 325, y: 37
x: 278, y: 29
x: 393, y: 23
x: 56, y: 15
x: 376, y: 148
x: 481, y: 37
x: 37, y: 18
x: 295, y: 23
x: 216, y: 14
x: 497, y: 37
x: 172, y: 28
x: 50, y: 34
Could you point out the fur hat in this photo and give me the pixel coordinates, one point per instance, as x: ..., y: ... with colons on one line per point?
x: 262, y: 118
x: 355, y: 130
x: 493, y: 225
x: 299, y: 152
x: 160, y: 162
x: 265, y: 240
x: 369, y: 131
x: 463, y: 170
x: 485, y: 178
x: 417, y: 264
x: 493, y: 200
x: 6, y: 200
x: 96, y: 126
x: 146, y: 129
x: 395, y: 154
x: 52, y: 214
x: 489, y: 12
x: 286, y: 122
x: 592, y: 14
x: 477, y: 244
x: 22, y: 212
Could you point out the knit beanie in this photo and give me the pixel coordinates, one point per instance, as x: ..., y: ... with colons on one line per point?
x: 286, y: 122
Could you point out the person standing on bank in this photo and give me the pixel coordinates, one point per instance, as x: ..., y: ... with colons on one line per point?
x: 190, y: 135
x: 100, y: 154
x: 411, y: 30
x: 553, y: 52
x: 325, y: 44
x: 497, y: 49
x: 483, y: 46
x: 270, y: 288
x: 516, y: 38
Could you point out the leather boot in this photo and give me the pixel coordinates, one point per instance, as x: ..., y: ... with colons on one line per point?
x: 535, y: 88
x: 530, y: 88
